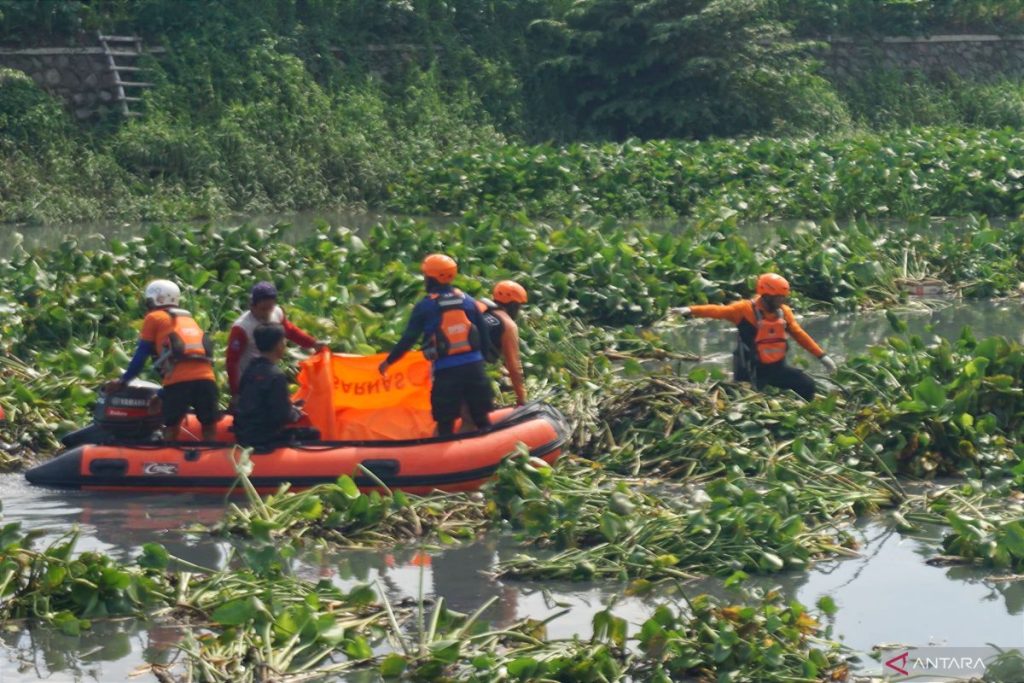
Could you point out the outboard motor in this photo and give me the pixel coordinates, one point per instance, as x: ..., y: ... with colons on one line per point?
x: 131, y: 414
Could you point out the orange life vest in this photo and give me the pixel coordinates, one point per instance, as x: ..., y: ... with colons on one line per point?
x: 455, y: 333
x: 185, y: 342
x: 771, y: 339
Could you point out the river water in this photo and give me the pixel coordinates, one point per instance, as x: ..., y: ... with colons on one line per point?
x: 887, y: 595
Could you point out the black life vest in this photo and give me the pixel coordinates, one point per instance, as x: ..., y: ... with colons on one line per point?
x: 495, y: 329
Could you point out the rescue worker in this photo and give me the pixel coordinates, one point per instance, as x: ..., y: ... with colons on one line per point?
x: 265, y: 407
x: 242, y: 349
x: 764, y: 325
x: 503, y: 332
x: 183, y: 357
x: 454, y: 336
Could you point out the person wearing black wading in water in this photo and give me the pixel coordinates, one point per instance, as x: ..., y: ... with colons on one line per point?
x: 764, y: 325
x: 503, y: 332
x: 453, y: 334
x: 499, y: 317
x: 184, y: 360
x: 265, y: 408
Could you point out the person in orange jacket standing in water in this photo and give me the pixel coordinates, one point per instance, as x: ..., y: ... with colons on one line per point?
x: 764, y: 325
x: 500, y: 318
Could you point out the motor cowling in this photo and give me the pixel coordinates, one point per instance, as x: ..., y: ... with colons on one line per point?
x: 132, y: 413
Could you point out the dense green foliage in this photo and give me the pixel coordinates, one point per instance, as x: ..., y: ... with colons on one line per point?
x: 281, y: 104
x: 891, y: 100
x: 910, y: 173
x: 25, y: 20
x: 680, y: 69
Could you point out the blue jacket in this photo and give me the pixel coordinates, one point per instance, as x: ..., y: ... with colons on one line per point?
x: 423, y: 323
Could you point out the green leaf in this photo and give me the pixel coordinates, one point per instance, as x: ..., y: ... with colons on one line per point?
x: 234, y: 612
x: 898, y: 325
x: 154, y: 556
x: 348, y: 487
x: 358, y: 648
x: 392, y: 666
x: 1013, y: 538
x: 827, y: 605
x: 446, y: 651
x: 55, y: 575
x: 362, y: 595
x: 736, y: 578
x: 68, y: 623
x: 612, y: 526
x: 930, y: 392
x: 261, y: 528
x: 523, y: 668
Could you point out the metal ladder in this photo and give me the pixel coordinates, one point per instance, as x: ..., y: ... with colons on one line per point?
x: 130, y: 48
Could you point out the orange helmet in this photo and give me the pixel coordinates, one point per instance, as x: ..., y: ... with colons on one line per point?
x: 771, y: 284
x: 509, y: 292
x: 440, y: 267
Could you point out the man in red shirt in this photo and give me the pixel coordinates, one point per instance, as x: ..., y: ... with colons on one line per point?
x: 263, y: 309
x: 764, y: 325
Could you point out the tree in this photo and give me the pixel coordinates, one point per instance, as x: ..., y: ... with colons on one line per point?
x: 687, y: 68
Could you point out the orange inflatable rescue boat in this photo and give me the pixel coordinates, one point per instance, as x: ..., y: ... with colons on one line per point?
x: 367, y: 424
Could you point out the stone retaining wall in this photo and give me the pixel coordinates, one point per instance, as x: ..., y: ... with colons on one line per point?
x: 77, y: 75
x: 969, y: 56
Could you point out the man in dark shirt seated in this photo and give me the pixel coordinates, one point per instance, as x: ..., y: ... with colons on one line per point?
x: 265, y: 407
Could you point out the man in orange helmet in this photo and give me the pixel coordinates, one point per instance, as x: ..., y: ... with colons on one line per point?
x: 500, y: 318
x: 764, y: 325
x: 454, y: 335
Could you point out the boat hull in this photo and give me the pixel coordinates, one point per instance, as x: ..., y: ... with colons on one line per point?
x: 458, y: 463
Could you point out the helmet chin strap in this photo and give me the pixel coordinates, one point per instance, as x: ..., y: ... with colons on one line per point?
x: 767, y: 302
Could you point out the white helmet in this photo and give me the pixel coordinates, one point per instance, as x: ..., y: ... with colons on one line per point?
x: 162, y: 293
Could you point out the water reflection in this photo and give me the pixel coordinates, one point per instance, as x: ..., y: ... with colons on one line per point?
x: 117, y: 525
x: 112, y: 650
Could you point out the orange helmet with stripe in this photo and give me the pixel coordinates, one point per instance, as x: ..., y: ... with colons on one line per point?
x: 440, y: 267
x: 770, y: 284
x: 509, y: 292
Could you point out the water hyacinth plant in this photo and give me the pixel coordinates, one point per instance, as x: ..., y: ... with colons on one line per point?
x: 605, y: 528
x: 985, y: 522
x: 250, y: 621
x: 72, y: 313
x: 759, y: 638
x: 922, y: 172
x: 342, y: 516
x: 67, y: 589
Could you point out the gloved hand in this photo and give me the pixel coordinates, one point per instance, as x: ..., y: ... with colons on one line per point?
x: 829, y: 364
x: 682, y: 311
x: 319, y: 346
